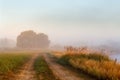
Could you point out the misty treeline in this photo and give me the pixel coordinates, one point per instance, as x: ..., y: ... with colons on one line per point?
x: 26, y: 39
x: 30, y: 39
x: 7, y: 43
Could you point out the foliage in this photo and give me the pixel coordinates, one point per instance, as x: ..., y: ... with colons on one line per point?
x: 30, y: 39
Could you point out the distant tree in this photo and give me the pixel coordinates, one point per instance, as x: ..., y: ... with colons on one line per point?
x: 29, y: 39
x: 7, y: 43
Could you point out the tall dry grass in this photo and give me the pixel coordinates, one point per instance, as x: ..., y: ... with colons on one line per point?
x: 96, y: 65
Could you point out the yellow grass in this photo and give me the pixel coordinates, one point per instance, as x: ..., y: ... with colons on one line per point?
x: 96, y: 65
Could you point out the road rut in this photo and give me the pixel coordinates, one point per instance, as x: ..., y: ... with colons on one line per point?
x: 61, y: 72
x: 27, y: 72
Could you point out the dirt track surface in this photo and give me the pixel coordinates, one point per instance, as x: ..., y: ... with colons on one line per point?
x: 27, y: 72
x: 61, y: 72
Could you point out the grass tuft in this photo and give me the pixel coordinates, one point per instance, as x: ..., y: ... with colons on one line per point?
x: 42, y: 69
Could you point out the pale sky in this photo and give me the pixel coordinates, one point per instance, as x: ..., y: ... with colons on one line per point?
x: 64, y: 21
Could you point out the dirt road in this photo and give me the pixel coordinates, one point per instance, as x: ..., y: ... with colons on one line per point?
x: 61, y: 72
x: 27, y: 72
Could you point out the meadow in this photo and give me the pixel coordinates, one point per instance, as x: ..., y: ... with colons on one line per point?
x: 96, y: 65
x: 11, y: 62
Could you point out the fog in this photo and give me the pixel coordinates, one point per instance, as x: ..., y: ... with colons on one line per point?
x: 7, y: 43
x: 77, y: 23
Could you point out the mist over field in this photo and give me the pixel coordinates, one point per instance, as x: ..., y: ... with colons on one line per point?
x: 76, y: 23
x: 59, y: 39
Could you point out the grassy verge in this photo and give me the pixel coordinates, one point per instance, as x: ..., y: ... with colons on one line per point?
x: 42, y: 69
x: 10, y: 63
x: 96, y: 65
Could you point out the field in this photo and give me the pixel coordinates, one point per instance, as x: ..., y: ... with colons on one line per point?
x: 57, y: 66
x: 96, y: 65
x: 11, y: 62
x: 24, y: 66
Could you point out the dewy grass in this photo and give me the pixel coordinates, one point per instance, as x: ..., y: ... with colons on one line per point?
x: 97, y: 65
x: 10, y: 62
x: 42, y: 69
x: 40, y: 66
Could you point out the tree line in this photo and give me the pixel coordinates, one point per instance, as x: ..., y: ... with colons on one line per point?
x: 26, y: 39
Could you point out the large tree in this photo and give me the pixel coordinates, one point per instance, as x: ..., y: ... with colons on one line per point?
x: 29, y: 39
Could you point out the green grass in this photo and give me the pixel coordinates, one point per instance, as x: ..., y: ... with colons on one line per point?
x: 42, y: 69
x: 11, y: 62
x: 96, y: 65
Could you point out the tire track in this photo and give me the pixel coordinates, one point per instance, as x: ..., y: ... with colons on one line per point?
x: 27, y: 72
x: 61, y: 72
